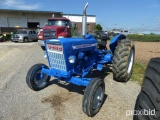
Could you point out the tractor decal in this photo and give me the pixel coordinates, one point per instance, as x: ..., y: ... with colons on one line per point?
x: 84, y: 46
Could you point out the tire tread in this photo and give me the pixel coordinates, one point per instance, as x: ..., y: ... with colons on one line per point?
x: 147, y: 98
x: 30, y: 74
x: 120, y: 60
x: 88, y: 95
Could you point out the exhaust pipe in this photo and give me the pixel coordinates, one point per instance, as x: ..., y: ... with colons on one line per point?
x: 84, y: 21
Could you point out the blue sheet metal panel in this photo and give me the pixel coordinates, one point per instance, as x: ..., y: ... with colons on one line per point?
x: 61, y: 74
x: 114, y: 41
x: 56, y: 73
x: 108, y: 57
x: 80, y: 81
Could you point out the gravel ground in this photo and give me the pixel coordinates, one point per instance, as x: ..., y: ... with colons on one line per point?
x: 59, y: 101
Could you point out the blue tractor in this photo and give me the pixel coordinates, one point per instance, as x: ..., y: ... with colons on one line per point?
x: 71, y: 59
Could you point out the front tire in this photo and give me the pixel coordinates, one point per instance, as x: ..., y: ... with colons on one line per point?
x: 35, y: 80
x: 25, y: 40
x: 93, y: 97
x: 43, y: 48
x: 149, y: 97
x: 123, y: 60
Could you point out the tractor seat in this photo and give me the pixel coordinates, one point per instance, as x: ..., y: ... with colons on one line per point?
x: 102, y: 43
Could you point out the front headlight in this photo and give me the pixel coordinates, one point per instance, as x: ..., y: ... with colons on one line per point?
x: 40, y: 37
x: 60, y: 36
x: 72, y: 59
x: 20, y: 37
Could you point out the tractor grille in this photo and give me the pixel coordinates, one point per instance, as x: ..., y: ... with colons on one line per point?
x: 49, y: 34
x: 56, y: 59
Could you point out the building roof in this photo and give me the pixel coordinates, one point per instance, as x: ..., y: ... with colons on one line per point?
x: 29, y: 11
x: 45, y: 12
x: 62, y: 18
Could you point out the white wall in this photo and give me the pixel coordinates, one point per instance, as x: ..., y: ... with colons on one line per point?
x: 79, y: 18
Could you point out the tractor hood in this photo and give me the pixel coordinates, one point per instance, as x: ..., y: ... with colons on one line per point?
x: 72, y: 45
x: 59, y: 50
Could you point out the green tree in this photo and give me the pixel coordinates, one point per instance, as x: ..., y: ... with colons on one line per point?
x: 152, y: 34
x: 74, y: 30
x: 98, y: 27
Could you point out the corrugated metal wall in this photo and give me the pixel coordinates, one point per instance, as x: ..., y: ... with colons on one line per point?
x: 12, y: 19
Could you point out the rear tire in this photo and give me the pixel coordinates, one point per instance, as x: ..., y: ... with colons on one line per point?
x: 123, y: 60
x: 34, y: 79
x: 149, y: 97
x: 93, y: 97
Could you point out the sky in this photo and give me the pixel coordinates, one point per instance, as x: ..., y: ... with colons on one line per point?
x: 126, y: 14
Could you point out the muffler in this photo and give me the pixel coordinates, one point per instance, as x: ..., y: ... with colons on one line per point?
x: 84, y: 21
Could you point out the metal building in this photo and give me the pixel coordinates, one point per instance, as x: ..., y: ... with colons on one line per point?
x: 25, y: 18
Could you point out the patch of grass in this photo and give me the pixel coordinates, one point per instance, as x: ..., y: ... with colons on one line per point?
x: 144, y: 38
x: 138, y: 72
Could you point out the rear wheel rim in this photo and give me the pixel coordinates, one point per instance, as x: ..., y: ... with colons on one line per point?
x: 97, y: 98
x: 130, y: 61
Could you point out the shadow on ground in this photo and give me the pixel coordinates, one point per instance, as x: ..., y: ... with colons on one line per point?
x: 80, y: 89
x: 57, y: 100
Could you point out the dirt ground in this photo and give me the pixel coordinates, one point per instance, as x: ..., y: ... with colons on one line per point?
x: 146, y: 50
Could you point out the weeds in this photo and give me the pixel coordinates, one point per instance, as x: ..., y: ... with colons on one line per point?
x: 138, y: 72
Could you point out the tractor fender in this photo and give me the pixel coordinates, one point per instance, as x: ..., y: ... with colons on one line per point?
x: 115, y: 40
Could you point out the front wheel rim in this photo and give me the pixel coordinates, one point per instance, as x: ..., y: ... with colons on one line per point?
x: 39, y: 79
x: 97, y: 98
